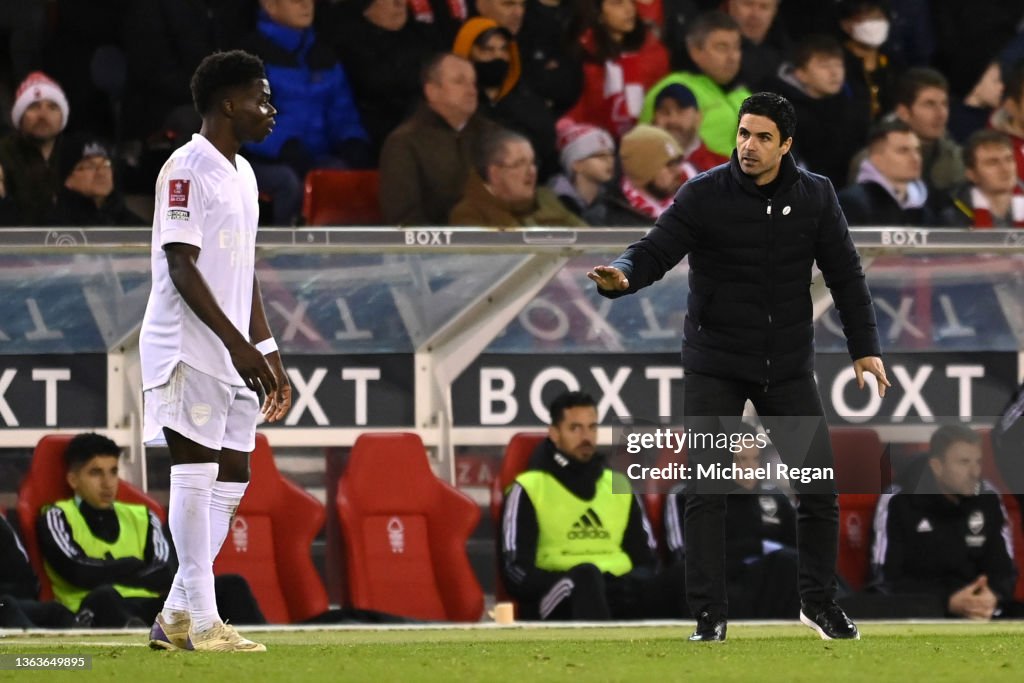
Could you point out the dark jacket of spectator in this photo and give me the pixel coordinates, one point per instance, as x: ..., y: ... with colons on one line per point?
x: 164, y: 42
x: 30, y: 180
x: 828, y: 135
x: 871, y: 202
x: 72, y: 209
x: 383, y: 67
x: 749, y: 302
x: 424, y: 165
x: 927, y: 543
x: 609, y: 209
x: 317, y: 116
x: 515, y: 106
x: 552, y: 65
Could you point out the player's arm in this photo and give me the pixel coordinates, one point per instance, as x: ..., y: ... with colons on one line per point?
x: 250, y: 363
x: 276, y: 404
x: 638, y: 539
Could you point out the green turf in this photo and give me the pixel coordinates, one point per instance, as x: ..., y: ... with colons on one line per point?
x: 906, y: 653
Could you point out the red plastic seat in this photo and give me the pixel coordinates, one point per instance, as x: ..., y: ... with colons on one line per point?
x: 856, y: 519
x: 1013, y: 513
x: 517, y: 455
x: 46, y: 482
x: 269, y: 542
x: 338, y: 197
x: 404, y: 533
x: 860, y: 458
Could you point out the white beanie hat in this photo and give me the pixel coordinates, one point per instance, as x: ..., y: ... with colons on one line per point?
x: 38, y: 86
x: 578, y: 141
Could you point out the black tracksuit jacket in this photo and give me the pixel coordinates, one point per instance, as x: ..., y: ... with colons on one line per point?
x: 749, y: 311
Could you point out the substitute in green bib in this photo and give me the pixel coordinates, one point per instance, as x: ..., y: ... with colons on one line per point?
x: 101, y: 554
x: 571, y: 547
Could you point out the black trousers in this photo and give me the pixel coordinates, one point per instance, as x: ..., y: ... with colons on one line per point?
x: 109, y: 609
x: 586, y: 594
x: 791, y: 412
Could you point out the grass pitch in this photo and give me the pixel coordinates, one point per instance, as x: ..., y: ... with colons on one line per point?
x: 887, y: 652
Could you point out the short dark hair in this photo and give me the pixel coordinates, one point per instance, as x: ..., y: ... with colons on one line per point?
x: 813, y: 45
x: 881, y: 130
x: 773, y: 106
x: 221, y: 71
x: 851, y: 8
x: 1013, y: 82
x: 84, y: 447
x: 431, y: 70
x: 708, y: 22
x: 566, y: 400
x: 492, y: 149
x: 979, y: 138
x: 947, y: 435
x: 913, y: 81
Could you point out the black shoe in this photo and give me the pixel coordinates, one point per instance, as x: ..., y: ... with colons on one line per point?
x: 708, y: 630
x: 830, y: 621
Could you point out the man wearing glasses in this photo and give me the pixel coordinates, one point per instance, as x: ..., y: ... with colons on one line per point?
x: 88, y: 195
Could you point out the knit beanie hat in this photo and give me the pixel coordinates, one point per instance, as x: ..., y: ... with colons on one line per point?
x: 38, y: 86
x: 578, y: 141
x: 77, y: 147
x: 645, y: 150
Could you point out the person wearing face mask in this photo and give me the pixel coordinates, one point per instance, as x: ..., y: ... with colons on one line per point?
x: 504, y: 97
x: 864, y: 26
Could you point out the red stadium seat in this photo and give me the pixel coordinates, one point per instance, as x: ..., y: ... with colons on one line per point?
x: 859, y: 460
x: 336, y: 197
x: 517, y: 456
x: 856, y: 518
x: 269, y: 542
x: 1013, y: 513
x: 405, y: 533
x: 46, y: 483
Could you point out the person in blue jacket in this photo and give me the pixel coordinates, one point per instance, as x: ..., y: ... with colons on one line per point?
x: 318, y: 124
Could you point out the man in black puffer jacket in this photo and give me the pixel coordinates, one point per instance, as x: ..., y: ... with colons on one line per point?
x: 753, y: 229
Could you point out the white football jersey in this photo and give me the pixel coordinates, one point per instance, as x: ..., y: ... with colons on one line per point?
x: 204, y: 201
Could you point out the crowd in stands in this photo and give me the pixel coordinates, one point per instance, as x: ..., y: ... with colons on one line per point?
x: 888, y: 93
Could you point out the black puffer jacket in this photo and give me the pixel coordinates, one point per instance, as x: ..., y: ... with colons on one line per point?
x: 749, y: 312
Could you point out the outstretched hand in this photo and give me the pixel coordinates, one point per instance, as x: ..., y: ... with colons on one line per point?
x: 609, y: 279
x: 872, y: 365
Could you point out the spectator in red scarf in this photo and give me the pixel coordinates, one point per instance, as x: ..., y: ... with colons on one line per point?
x: 1009, y: 118
x: 992, y: 197
x: 653, y: 169
x: 622, y: 59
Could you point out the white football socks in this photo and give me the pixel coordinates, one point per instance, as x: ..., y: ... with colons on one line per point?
x: 189, y: 520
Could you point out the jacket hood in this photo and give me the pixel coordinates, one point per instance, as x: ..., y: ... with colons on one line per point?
x: 917, y: 191
x: 473, y: 29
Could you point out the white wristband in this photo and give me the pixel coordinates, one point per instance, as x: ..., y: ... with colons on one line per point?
x: 267, y: 346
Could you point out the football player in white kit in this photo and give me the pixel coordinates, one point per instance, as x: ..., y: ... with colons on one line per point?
x: 208, y: 356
